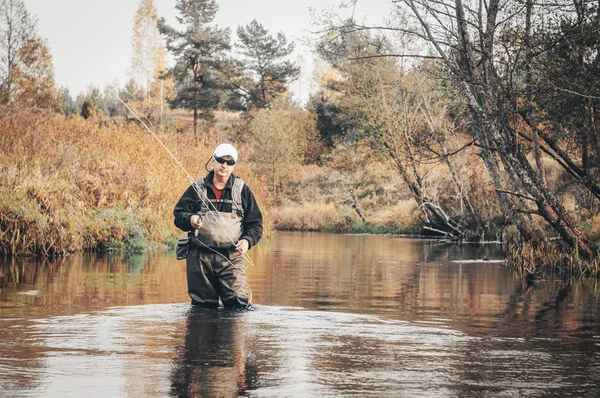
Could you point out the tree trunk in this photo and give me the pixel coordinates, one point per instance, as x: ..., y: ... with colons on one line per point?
x: 435, y: 218
x: 196, y: 122
x: 196, y: 71
x: 464, y: 196
x: 356, y: 207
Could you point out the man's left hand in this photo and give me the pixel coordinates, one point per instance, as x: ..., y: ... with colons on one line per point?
x: 242, y: 246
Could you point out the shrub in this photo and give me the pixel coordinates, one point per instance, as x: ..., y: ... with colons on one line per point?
x: 308, y: 217
x: 110, y: 229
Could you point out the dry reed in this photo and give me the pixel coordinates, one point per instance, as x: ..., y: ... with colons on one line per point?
x: 69, y: 184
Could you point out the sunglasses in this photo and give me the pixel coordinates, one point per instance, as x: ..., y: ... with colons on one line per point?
x: 230, y: 162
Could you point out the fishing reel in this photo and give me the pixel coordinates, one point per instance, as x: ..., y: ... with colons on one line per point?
x: 199, y: 214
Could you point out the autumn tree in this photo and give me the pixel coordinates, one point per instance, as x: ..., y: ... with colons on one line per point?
x: 199, y: 49
x: 396, y: 113
x: 33, y: 76
x: 65, y: 101
x: 264, y: 57
x: 17, y: 27
x: 562, y: 91
x: 281, y: 139
x: 482, y: 63
x: 490, y: 54
x: 148, y: 64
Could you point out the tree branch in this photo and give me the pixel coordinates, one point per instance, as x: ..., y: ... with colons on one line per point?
x: 519, y: 195
x: 394, y: 56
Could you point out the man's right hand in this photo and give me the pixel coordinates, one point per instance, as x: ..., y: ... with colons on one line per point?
x: 195, y: 221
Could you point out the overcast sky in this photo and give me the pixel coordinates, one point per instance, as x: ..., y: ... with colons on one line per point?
x: 91, y: 40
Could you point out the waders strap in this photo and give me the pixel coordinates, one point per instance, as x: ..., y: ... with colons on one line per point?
x: 236, y: 197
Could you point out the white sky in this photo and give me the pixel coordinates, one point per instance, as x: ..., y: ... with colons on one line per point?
x: 90, y: 40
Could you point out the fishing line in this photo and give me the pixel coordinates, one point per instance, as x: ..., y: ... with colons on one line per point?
x: 201, y: 194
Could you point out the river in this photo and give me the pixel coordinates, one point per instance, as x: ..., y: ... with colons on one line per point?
x: 335, y: 315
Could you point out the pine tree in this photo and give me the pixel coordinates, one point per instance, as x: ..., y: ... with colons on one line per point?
x: 264, y: 57
x: 87, y: 109
x: 199, y: 51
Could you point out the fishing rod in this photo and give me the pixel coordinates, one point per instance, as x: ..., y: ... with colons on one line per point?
x: 201, y: 194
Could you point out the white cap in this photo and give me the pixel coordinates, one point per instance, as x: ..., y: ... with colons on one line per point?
x: 226, y: 150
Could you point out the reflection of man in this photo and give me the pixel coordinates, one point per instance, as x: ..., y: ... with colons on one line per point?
x: 213, y: 362
x: 226, y: 221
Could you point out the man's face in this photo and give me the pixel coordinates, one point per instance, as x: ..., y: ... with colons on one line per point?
x: 222, y: 168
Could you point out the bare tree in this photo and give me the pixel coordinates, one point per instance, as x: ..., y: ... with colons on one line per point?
x: 393, y: 111
x: 17, y: 26
x: 484, y: 47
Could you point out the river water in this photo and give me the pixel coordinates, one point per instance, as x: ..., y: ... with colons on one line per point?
x: 335, y: 315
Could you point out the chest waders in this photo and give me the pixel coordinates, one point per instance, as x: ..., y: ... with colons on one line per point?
x: 218, y: 272
x: 220, y: 230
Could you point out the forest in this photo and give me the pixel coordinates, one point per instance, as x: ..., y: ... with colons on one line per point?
x: 469, y: 121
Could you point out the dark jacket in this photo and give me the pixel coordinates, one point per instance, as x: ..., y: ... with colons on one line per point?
x: 190, y: 204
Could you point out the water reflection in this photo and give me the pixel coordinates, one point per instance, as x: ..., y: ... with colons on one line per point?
x: 214, y: 360
x: 337, y: 315
x: 80, y: 283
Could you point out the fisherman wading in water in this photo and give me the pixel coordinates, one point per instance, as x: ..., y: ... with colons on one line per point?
x: 223, y: 221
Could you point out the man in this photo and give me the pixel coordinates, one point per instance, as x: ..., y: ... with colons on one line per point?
x: 223, y: 221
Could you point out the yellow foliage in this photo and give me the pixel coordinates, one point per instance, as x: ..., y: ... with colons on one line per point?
x: 60, y: 173
x: 402, y: 217
x: 307, y: 217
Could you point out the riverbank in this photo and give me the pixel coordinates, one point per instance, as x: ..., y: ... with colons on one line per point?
x: 70, y: 185
x: 74, y: 185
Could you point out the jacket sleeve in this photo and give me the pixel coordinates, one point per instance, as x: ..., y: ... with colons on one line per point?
x: 185, y: 208
x: 252, y: 226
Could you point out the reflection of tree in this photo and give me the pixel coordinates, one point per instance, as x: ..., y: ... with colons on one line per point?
x: 90, y: 281
x: 543, y: 313
x: 213, y: 361
x: 19, y: 271
x: 550, y: 320
x: 448, y: 251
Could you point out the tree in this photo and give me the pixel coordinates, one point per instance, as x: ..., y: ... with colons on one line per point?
x: 489, y: 52
x: 199, y: 51
x: 17, y: 27
x: 148, y: 63
x: 148, y: 49
x: 563, y: 92
x: 264, y: 59
x: 331, y: 123
x: 87, y: 109
x: 281, y: 139
x: 33, y: 76
x: 404, y: 118
x: 132, y: 93
x: 65, y: 101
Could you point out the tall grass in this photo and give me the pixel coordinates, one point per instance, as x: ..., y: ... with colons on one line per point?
x: 69, y: 184
x: 549, y: 261
x: 329, y: 217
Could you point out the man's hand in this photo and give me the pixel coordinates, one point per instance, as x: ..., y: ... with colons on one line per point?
x: 195, y: 221
x: 242, y: 246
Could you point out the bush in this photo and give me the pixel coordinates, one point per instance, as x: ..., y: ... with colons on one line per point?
x: 309, y: 217
x: 111, y: 229
x: 69, y: 184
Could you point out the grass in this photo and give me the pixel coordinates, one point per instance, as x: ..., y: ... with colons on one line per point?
x: 329, y: 217
x: 549, y: 261
x: 69, y: 184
